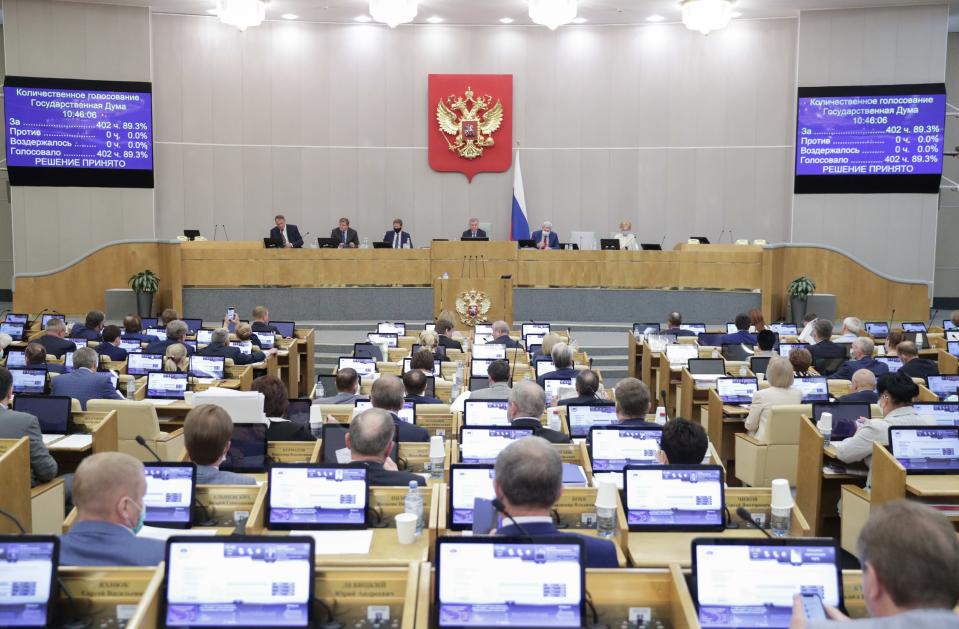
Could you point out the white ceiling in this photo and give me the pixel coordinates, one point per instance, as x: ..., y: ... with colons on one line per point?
x: 490, y: 11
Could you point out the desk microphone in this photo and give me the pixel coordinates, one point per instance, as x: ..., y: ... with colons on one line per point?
x: 720, y: 239
x: 892, y: 317
x: 663, y: 397
x: 661, y: 242
x: 744, y: 513
x: 13, y: 519
x: 499, y: 506
x: 143, y: 442
x: 731, y: 241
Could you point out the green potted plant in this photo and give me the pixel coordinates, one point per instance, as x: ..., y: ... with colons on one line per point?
x: 799, y: 291
x: 145, y: 285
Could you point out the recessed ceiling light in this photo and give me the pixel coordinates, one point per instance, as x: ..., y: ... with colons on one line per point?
x: 363, y: 18
x: 434, y: 20
x: 736, y: 14
x: 211, y: 11
x: 290, y: 16
x: 655, y: 18
x: 506, y: 20
x: 579, y: 20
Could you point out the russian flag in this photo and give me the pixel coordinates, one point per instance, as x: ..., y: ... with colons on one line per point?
x: 519, y: 223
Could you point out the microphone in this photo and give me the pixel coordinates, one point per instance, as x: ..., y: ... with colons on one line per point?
x: 731, y: 241
x: 499, y: 506
x: 13, y: 519
x: 892, y: 317
x: 40, y: 315
x: 143, y: 442
x: 720, y: 239
x: 933, y: 319
x: 744, y: 513
x: 663, y: 397
x: 662, y: 241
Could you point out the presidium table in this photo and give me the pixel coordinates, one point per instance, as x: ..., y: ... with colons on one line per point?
x: 452, y: 268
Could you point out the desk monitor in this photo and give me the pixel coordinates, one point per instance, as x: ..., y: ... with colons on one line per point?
x: 68, y: 362
x: 12, y: 317
x: 207, y: 366
x: 166, y: 385
x: 943, y: 386
x: 311, y: 496
x: 16, y: 358
x: 746, y: 582
x: 533, y: 340
x: 390, y: 339
x: 382, y: 245
x: 271, y: 581
x: 29, y: 380
x: 334, y: 440
x: 940, y: 413
x: 407, y: 414
x: 439, y: 351
x: 45, y: 319
x: 148, y: 322
x: 651, y: 246
x: 204, y: 336
x: 544, y: 367
x: 467, y: 483
x: 611, y: 448
x: 695, y: 328
x: 609, y: 244
x: 481, y: 444
x: 437, y: 366
x: 28, y: 569
x: 526, y: 243
x: 844, y: 417
x: 674, y: 498
x: 53, y: 411
x: 171, y: 491
x: 483, y: 328
x: 247, y: 449
x: 581, y: 416
x: 327, y: 243
x: 947, y: 325
x: 15, y: 330
x: 158, y: 333
x: 914, y: 326
x: 893, y: 362
x: 131, y: 346
x: 736, y: 390
x: 789, y: 329
x: 525, y: 583
x: 395, y: 327
x: 710, y: 339
x: 877, y: 329
x: 926, y: 449
x: 535, y: 328
x: 78, y: 342
x: 485, y: 413
x: 680, y: 353
x: 267, y: 339
x: 284, y: 328
x: 785, y: 348
x: 479, y: 366
x: 368, y: 350
x: 142, y: 364
x: 365, y: 367
x: 490, y: 351
x: 555, y: 386
x: 478, y: 383
x: 814, y: 388
x: 298, y: 410
x: 706, y: 366
x: 193, y: 325
x: 759, y: 364
x: 952, y: 347
x: 642, y: 329
x: 269, y: 243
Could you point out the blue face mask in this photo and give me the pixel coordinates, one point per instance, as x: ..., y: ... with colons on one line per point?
x: 143, y: 512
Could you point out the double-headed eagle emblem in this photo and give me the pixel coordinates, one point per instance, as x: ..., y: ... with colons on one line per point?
x: 460, y: 117
x: 472, y: 306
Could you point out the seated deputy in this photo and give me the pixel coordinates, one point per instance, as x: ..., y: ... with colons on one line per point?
x: 587, y: 388
x: 16, y: 425
x: 414, y: 381
x: 562, y: 355
x: 632, y: 403
x: 35, y: 356
x: 91, y: 328
x: 276, y: 403
x: 779, y: 374
x: 499, y: 375
x: 207, y: 432
x: 862, y: 388
x: 110, y: 344
x: 529, y: 481
x: 387, y: 393
x: 220, y: 346
x: 527, y: 403
x: 682, y: 443
x: 370, y: 441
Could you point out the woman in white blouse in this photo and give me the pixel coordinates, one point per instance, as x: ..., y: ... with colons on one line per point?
x: 626, y: 237
x: 779, y: 373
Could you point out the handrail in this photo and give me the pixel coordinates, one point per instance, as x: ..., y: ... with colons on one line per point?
x: 132, y: 241
x: 790, y: 245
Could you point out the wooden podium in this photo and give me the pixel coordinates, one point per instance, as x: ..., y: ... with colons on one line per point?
x: 474, y: 266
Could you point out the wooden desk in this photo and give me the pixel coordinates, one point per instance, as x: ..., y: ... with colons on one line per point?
x: 306, y: 342
x: 723, y: 423
x: 635, y: 350
x: 100, y: 593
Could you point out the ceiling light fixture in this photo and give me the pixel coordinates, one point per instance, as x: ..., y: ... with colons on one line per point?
x: 435, y: 20
x: 241, y: 13
x: 506, y: 20
x: 393, y: 12
x: 706, y: 16
x: 552, y: 13
x: 655, y: 18
x: 290, y: 16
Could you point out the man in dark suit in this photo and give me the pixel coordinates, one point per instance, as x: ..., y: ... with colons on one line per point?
x: 398, y: 238
x: 84, y: 383
x: 53, y: 341
x: 912, y: 365
x: 388, y: 394
x: 261, y: 321
x: 673, y: 322
x: 133, y: 330
x: 529, y: 481
x: 370, y: 441
x: 527, y: 402
x: 220, y: 346
x: 587, y: 384
x: 632, y: 403
x: 15, y: 425
x: 110, y: 345
x: 562, y: 355
x: 682, y: 443
x: 35, y: 356
x: 285, y: 235
x: 501, y: 336
x: 414, y: 381
x: 862, y: 349
x: 91, y: 328
x: 862, y: 389
x: 444, y: 330
x: 474, y: 231
x: 545, y: 238
x: 345, y: 236
x: 175, y: 333
x: 824, y: 350
x: 207, y: 434
x: 741, y: 336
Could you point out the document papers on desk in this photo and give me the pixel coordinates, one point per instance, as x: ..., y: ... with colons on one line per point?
x: 73, y: 442
x: 342, y: 542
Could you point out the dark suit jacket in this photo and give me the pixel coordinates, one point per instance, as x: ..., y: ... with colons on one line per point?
x: 479, y: 234
x: 920, y: 368
x: 55, y: 345
x: 293, y: 234
x: 637, y: 423
x: 80, y: 331
x: 351, y: 236
x: 405, y: 239
x: 409, y: 432
x: 380, y: 477
x: 288, y: 431
x: 138, y: 336
x: 739, y: 337
x: 159, y: 347
x: 14, y: 425
x: 262, y: 328
x: 449, y: 343
x: 233, y: 353
x: 83, y: 385
x: 507, y: 341
x: 552, y: 240
x: 852, y: 366
x: 539, y: 430
x: 50, y: 367
x: 600, y: 553
x: 580, y: 399
x: 113, y: 352
x: 678, y: 332
x: 559, y: 374
x: 423, y: 399
x: 827, y: 349
x: 861, y: 397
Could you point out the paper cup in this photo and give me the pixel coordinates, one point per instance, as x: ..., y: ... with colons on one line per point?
x: 606, y: 496
x: 405, y: 527
x: 782, y: 498
x: 188, y: 397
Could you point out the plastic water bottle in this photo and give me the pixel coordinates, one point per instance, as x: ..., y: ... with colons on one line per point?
x: 606, y: 509
x: 131, y: 389
x: 437, y: 457
x: 319, y: 391
x: 780, y: 508
x: 366, y: 243
x: 413, y: 503
x: 743, y: 371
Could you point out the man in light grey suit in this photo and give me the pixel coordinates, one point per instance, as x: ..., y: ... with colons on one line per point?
x: 910, y: 571
x: 85, y: 382
x: 498, y: 372
x: 206, y: 432
x: 347, y: 386
x: 14, y: 425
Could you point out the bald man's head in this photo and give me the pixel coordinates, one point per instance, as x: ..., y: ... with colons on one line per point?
x: 388, y: 393
x: 104, y: 485
x: 863, y: 380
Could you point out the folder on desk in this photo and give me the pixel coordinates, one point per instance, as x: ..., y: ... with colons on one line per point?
x: 573, y: 475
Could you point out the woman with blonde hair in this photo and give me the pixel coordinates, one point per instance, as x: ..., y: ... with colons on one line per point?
x: 176, y: 358
x: 779, y: 374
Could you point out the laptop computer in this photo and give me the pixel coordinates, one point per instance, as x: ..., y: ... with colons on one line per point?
x: 204, y: 336
x: 247, y: 449
x: 678, y: 354
x: 545, y: 585
x: 642, y: 329
x: 193, y: 325
x: 298, y: 410
x: 382, y: 245
x: 706, y: 366
x: 702, y: 239
x: 142, y: 364
x: 790, y: 329
x: 740, y: 582
x: 943, y: 386
x: 478, y: 383
x: 29, y: 380
x: 651, y: 246
x: 166, y: 385
x: 158, y: 333
x: 877, y: 329
x: 14, y: 330
x: 362, y: 366
x: 317, y: 497
x: 759, y: 364
x: 485, y: 413
x: 53, y: 412
x: 926, y: 449
x: 406, y: 414
x: 45, y: 319
x: 390, y: 339
x: 559, y: 386
x: 467, y: 483
x: 544, y: 367
x: 481, y: 444
x: 132, y: 346
x: 947, y: 325
x: 612, y: 448
x: 941, y: 413
x: 14, y: 317
x: 284, y: 328
x: 271, y: 582
x: 710, y: 339
x: 479, y: 367
x: 581, y: 416
x: 192, y: 234
x: 736, y: 391
x: 16, y: 358
x: 269, y: 243
x: 893, y: 362
x: 695, y: 328
x: 327, y: 243
x: 609, y: 244
x: 171, y: 491
x: 526, y: 243
x: 391, y: 327
x: 674, y: 498
x: 490, y: 351
x: 207, y: 366
x: 535, y: 328
x: 786, y: 348
x: 844, y: 417
x: 952, y: 347
x: 28, y: 572
x: 814, y: 388
x: 914, y: 326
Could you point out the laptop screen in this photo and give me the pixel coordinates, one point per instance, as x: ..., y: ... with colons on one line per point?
x: 490, y: 351
x: 207, y: 366
x: 45, y: 319
x: 247, y: 449
x: 913, y: 326
x: 893, y: 362
x: 481, y: 444
x: 130, y: 345
x: 736, y: 390
x: 204, y: 336
x: 158, y: 333
x: 392, y: 328
x: 362, y: 366
x: 68, y: 362
x: 533, y: 339
x: 953, y: 347
x: 267, y: 339
x: 541, y: 329
x: 751, y: 583
x: 142, y: 364
x: 926, y: 449
x: 709, y: 339
x: 270, y: 582
x: 16, y: 358
x: 581, y: 417
x: 28, y: 566
x: 947, y: 324
x: 612, y: 448
x: 467, y: 483
x: 674, y: 497
x: 844, y: 417
x: 814, y: 389
x: 943, y: 386
x: 478, y: 366
x: 406, y: 414
x: 483, y: 328
x: 317, y: 496
x: 388, y: 339
x: 785, y: 348
x: 15, y: 330
x: 940, y: 413
x: 642, y: 329
x: 437, y: 365
x: 790, y: 329
x: 53, y: 412
x: 28, y: 380
x: 486, y: 413
x: 170, y: 493
x: 554, y: 386
x: 696, y: 328
x: 680, y: 353
x: 525, y: 584
x: 284, y: 328
x: 193, y: 324
x: 11, y: 317
x: 166, y: 385
x: 544, y: 367
x: 877, y: 329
